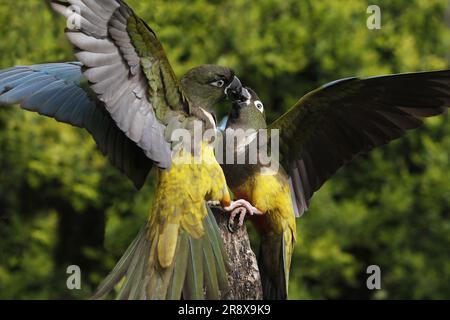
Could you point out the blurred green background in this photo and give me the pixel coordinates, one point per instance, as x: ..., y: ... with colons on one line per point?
x: 61, y: 203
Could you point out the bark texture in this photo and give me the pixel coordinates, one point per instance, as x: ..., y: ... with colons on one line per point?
x: 243, y: 277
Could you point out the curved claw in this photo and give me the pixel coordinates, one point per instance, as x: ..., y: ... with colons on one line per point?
x: 239, y: 208
x: 241, y: 212
x: 243, y: 203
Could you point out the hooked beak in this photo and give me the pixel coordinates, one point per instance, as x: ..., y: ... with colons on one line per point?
x: 243, y: 100
x: 234, y: 90
x: 245, y: 95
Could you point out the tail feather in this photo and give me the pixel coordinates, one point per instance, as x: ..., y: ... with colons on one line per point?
x: 120, y: 270
x: 198, y: 272
x: 158, y: 278
x: 180, y: 266
x: 215, y: 240
x: 274, y: 267
x: 193, y: 289
x: 210, y: 272
x: 134, y: 275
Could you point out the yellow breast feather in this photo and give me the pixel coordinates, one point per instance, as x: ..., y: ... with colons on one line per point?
x: 180, y: 199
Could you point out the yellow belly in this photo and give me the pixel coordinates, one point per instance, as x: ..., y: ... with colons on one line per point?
x: 270, y: 194
x: 180, y: 198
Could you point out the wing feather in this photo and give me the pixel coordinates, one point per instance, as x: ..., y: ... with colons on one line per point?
x: 57, y: 91
x: 332, y: 125
x: 108, y: 44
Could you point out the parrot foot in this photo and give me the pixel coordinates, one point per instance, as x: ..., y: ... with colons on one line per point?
x: 239, y: 208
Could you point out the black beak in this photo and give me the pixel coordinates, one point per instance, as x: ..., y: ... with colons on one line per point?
x: 245, y: 95
x: 243, y: 99
x: 234, y: 90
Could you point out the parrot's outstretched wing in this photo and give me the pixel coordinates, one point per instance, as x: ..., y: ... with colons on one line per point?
x: 125, y: 93
x: 59, y: 91
x: 330, y: 126
x: 127, y: 69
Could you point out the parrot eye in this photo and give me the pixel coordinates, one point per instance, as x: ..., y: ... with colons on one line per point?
x: 218, y: 84
x: 259, y: 106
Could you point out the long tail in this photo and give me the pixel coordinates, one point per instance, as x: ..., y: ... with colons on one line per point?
x: 198, y: 271
x: 274, y: 262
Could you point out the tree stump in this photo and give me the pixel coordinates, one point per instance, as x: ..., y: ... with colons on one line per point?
x: 243, y: 277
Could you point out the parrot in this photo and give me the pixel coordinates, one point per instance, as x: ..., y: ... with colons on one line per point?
x: 124, y: 92
x: 325, y: 130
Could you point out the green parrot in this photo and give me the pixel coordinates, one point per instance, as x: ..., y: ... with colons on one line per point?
x: 323, y: 131
x: 125, y: 93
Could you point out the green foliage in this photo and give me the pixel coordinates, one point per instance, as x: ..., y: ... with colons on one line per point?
x: 61, y: 203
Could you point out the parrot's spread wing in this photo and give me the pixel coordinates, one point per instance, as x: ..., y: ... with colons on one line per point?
x: 330, y: 126
x: 124, y: 92
x: 60, y: 91
x: 127, y: 69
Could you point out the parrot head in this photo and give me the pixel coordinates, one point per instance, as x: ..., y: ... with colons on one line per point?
x: 208, y: 85
x: 247, y: 112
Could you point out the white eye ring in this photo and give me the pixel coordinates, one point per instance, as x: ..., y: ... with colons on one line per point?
x: 218, y: 84
x: 259, y: 105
